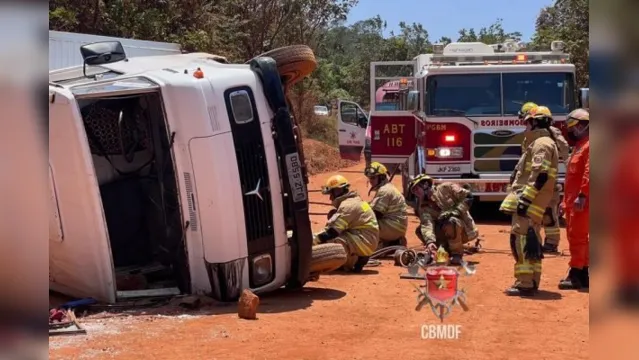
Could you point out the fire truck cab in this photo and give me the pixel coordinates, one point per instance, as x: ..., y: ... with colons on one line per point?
x: 452, y: 114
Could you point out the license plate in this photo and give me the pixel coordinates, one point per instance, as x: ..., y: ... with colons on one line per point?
x: 295, y: 178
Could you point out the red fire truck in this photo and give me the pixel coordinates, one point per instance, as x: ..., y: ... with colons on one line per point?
x: 453, y: 114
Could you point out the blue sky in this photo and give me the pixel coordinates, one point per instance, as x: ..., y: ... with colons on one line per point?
x: 446, y: 17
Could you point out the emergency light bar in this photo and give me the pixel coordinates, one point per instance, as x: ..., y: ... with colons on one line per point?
x: 515, y: 58
x: 477, y: 53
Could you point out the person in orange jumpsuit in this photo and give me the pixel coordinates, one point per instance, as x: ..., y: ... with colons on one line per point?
x: 622, y: 208
x: 576, y: 203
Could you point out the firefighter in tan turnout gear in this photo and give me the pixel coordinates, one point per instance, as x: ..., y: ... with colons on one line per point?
x: 444, y: 216
x: 352, y: 224
x: 551, y: 216
x: 532, y: 191
x: 389, y: 206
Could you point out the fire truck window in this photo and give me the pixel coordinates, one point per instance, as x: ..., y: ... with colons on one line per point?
x: 554, y: 90
x: 348, y: 113
x: 464, y: 95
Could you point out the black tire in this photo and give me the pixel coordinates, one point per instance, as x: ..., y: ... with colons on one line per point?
x: 327, y: 257
x: 293, y: 62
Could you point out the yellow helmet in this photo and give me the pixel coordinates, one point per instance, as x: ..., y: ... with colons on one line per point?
x: 526, y: 108
x: 576, y: 116
x: 420, y: 179
x: 539, y: 112
x: 375, y: 169
x: 334, y: 182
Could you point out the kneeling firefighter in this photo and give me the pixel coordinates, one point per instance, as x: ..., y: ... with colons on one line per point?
x: 389, y: 206
x: 352, y: 224
x: 532, y: 190
x: 444, y: 216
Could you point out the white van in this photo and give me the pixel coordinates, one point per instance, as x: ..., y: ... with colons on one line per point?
x: 176, y: 174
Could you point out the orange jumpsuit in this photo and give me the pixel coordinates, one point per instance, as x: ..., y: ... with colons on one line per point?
x: 623, y: 198
x: 578, y: 222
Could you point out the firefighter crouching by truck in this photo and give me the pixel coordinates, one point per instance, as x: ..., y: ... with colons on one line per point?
x: 576, y: 204
x: 532, y: 191
x: 550, y: 223
x: 389, y: 206
x: 444, y: 216
x: 352, y: 224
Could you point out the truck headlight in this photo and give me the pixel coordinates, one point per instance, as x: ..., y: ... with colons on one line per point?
x: 449, y: 152
x: 262, y: 272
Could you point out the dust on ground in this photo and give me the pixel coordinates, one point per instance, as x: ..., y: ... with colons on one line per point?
x: 366, y: 316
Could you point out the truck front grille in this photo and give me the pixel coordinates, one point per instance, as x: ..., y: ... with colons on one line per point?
x: 496, y: 151
x: 254, y: 180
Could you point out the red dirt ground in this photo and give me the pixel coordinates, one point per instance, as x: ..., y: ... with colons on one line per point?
x: 366, y: 316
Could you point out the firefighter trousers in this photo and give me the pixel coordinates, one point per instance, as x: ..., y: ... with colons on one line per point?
x: 449, y: 234
x: 391, y: 229
x: 363, y: 243
x: 525, y: 245
x: 551, y: 222
x: 578, y: 233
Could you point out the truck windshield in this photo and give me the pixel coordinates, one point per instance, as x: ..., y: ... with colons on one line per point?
x: 466, y: 95
x: 554, y: 90
x: 481, y: 94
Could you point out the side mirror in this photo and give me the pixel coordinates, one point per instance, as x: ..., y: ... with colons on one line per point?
x: 584, y: 100
x: 413, y: 100
x: 99, y: 53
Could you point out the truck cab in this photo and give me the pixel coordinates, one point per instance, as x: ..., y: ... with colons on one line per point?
x: 182, y: 168
x: 463, y: 127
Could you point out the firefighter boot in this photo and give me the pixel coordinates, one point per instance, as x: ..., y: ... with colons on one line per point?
x: 456, y: 260
x: 549, y: 248
x: 572, y: 281
x: 359, y: 265
x: 585, y: 278
x: 517, y: 290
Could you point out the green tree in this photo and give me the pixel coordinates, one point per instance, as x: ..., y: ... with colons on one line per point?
x: 493, y: 34
x: 566, y: 20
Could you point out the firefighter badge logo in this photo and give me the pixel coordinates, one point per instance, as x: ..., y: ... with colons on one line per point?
x: 441, y: 292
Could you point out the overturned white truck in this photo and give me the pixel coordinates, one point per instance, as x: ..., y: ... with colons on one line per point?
x: 177, y: 174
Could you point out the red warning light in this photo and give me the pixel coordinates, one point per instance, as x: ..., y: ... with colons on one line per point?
x: 449, y: 138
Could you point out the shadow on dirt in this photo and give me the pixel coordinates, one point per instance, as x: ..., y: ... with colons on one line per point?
x: 279, y: 301
x: 545, y: 295
x: 290, y: 300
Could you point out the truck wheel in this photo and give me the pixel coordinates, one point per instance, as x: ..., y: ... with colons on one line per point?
x: 327, y: 257
x: 293, y: 62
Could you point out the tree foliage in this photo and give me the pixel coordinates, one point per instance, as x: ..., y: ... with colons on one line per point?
x: 242, y: 29
x: 566, y: 20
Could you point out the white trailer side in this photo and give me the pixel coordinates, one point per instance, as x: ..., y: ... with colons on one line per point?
x: 64, y: 48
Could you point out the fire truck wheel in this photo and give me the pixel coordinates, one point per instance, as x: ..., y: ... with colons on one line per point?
x: 294, y: 62
x: 327, y: 257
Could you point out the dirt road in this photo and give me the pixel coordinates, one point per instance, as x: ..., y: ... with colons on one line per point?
x: 367, y: 316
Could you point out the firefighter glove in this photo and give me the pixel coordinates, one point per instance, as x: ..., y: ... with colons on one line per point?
x: 446, y: 215
x: 580, y: 202
x: 522, y: 206
x: 327, y: 234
